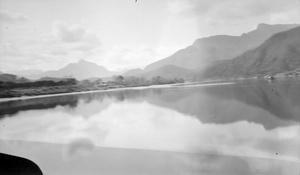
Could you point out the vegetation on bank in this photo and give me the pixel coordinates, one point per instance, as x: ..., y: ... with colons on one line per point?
x: 49, y: 85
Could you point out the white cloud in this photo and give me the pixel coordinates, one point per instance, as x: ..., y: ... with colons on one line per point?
x: 75, y: 37
x: 232, y: 10
x: 284, y: 18
x: 73, y: 33
x: 63, y: 45
x: 70, y: 34
x: 9, y: 17
x: 128, y: 57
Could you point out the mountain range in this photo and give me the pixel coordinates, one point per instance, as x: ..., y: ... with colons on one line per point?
x: 278, y: 54
x: 206, y: 50
x: 269, y: 49
x: 207, y: 53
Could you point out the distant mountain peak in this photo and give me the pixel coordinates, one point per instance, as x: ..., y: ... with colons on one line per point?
x: 83, y: 61
x: 81, y: 70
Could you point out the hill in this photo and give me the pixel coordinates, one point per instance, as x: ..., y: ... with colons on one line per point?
x: 278, y: 54
x: 80, y: 70
x: 207, y: 50
x: 12, y: 78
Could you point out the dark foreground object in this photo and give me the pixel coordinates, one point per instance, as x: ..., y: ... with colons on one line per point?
x: 12, y: 165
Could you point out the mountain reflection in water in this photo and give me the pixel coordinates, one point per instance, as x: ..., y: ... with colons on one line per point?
x: 209, y: 104
x: 244, y: 128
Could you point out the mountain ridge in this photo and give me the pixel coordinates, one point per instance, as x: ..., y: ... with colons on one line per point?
x: 278, y: 54
x: 206, y: 50
x: 189, y: 62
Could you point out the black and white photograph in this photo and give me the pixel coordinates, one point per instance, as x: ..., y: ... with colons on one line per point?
x: 149, y: 87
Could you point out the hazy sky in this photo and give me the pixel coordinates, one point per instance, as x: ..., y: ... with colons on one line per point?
x: 118, y: 34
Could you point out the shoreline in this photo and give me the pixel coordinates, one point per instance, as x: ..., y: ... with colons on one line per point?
x: 72, y: 93
x: 179, y: 85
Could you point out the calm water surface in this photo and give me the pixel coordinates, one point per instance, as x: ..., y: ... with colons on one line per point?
x: 244, y: 128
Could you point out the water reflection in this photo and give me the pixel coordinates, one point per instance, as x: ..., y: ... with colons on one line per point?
x: 207, y: 125
x: 12, y: 107
x: 281, y: 100
x: 272, y: 106
x: 278, y: 104
x: 131, y: 161
x: 81, y: 146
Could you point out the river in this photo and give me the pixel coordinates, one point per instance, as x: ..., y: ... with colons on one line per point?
x: 250, y: 127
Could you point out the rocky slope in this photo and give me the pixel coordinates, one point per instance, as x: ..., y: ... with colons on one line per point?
x: 278, y: 54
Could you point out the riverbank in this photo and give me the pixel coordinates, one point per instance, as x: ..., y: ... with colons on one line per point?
x: 192, y: 84
x: 91, y: 90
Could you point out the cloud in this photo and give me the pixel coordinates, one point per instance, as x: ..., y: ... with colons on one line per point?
x: 128, y: 57
x: 12, y: 17
x: 64, y: 44
x: 73, y: 34
x: 284, y: 18
x: 231, y: 10
x: 75, y: 37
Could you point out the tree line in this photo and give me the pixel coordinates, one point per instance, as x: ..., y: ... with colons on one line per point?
x: 115, y: 80
x: 131, y: 80
x: 11, y: 85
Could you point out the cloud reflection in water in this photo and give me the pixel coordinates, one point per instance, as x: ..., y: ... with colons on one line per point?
x: 146, y: 126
